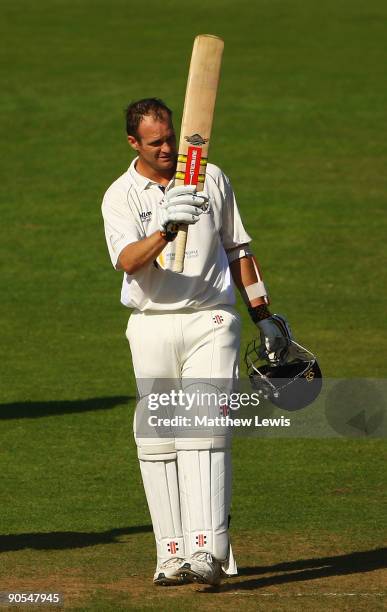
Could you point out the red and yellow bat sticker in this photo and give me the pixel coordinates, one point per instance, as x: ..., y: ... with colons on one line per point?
x: 193, y: 165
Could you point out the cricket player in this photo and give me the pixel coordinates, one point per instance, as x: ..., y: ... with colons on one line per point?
x: 183, y: 326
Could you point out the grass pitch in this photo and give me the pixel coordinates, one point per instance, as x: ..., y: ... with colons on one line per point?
x: 300, y: 128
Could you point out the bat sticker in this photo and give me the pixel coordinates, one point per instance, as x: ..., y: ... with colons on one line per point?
x: 193, y: 166
x: 196, y: 139
x: 182, y: 159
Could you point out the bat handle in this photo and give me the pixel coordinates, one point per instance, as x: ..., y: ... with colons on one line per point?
x: 180, y: 241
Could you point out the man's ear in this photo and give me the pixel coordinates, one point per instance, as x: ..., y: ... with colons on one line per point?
x: 133, y: 142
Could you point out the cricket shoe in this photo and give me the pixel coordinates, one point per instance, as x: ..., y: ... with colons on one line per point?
x: 202, y: 567
x: 168, y: 573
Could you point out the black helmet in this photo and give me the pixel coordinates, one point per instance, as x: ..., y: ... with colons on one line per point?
x: 292, y: 384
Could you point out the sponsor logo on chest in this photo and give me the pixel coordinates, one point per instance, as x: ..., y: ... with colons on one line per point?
x: 146, y: 215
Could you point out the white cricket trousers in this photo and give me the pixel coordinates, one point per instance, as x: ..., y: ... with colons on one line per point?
x: 185, y: 344
x: 187, y: 481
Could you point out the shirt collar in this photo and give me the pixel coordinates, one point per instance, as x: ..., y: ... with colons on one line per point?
x: 141, y: 181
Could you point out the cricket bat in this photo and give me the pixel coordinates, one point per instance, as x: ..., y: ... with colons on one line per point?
x: 198, y: 113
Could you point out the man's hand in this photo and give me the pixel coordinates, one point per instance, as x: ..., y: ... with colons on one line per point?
x: 181, y: 205
x: 276, y: 338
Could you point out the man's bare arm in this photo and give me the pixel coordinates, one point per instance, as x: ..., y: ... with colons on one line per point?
x: 244, y: 274
x: 138, y: 254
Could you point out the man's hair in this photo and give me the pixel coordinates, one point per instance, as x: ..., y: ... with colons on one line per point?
x: 136, y: 111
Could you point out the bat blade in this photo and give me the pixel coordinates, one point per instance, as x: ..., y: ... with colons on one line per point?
x: 196, y: 125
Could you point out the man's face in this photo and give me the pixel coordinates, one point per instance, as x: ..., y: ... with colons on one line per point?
x: 156, y: 144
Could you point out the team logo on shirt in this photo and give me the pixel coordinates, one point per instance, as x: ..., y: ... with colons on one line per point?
x: 146, y: 215
x: 217, y: 319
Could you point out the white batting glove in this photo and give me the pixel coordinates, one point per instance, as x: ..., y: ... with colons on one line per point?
x: 276, y: 337
x: 181, y: 205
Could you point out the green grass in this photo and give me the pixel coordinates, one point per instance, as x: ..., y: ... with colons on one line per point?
x: 300, y: 128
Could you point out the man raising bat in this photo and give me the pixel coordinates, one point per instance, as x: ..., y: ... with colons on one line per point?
x: 183, y: 327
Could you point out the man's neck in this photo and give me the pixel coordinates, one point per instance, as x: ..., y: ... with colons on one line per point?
x: 162, y: 178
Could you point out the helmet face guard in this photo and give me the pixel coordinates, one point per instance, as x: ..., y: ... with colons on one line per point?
x: 291, y: 385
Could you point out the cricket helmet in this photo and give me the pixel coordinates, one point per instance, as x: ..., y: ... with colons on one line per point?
x: 290, y: 385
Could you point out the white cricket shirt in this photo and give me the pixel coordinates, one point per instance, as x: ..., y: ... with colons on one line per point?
x: 129, y: 210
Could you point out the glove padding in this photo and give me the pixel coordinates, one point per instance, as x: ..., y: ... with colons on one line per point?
x: 276, y: 337
x: 181, y: 205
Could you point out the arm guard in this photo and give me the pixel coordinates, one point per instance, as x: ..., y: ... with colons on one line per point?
x: 255, y: 290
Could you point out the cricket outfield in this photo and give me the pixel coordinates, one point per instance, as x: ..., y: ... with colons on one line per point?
x: 300, y: 128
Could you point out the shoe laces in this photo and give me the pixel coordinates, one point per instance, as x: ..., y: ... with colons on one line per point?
x: 171, y: 562
x: 203, y: 556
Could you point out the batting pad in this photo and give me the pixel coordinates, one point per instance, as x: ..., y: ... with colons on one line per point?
x: 205, y: 493
x: 161, y: 447
x: 162, y: 493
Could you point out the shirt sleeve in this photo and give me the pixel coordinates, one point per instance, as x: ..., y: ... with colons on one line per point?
x: 232, y: 231
x: 121, y: 226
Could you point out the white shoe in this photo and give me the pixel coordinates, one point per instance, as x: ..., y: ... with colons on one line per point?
x: 167, y: 573
x: 202, y: 567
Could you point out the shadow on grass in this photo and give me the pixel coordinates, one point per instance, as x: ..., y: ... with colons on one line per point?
x: 58, y: 540
x: 32, y: 410
x: 308, y: 569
